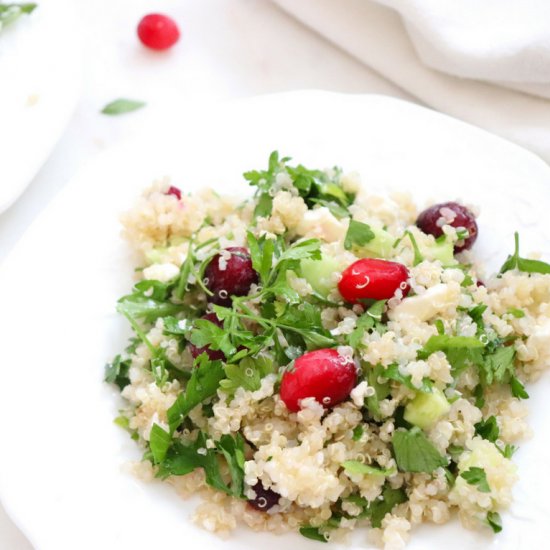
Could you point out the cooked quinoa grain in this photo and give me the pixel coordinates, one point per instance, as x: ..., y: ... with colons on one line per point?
x: 251, y: 381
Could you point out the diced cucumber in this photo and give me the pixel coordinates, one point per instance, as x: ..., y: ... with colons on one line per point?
x: 380, y: 247
x: 158, y: 254
x: 442, y: 251
x: 155, y: 255
x: 483, y: 455
x: 426, y: 408
x: 319, y: 273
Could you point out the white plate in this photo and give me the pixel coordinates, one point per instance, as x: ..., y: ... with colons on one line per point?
x: 39, y: 86
x: 60, y: 469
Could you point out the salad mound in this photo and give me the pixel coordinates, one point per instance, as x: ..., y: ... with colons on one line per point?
x: 317, y: 358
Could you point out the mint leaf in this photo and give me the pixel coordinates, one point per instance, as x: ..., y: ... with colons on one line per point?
x: 414, y: 452
x: 476, y: 476
x: 121, y: 106
x: 159, y: 442
x: 203, y: 384
x: 356, y: 467
x: 494, y: 521
x: 358, y: 234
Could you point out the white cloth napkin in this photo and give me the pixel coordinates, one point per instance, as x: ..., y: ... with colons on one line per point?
x: 484, y: 61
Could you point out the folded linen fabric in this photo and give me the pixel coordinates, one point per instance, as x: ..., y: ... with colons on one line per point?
x: 441, y: 56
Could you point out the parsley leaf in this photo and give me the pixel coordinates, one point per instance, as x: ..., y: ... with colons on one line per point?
x: 518, y: 389
x: 418, y: 258
x: 159, y: 442
x: 356, y: 467
x: 233, y: 452
x: 203, y: 384
x: 523, y: 264
x: 205, y: 333
x: 476, y: 476
x: 498, y: 366
x: 508, y: 450
x: 261, y: 254
x: 381, y: 390
x: 488, y: 429
x: 247, y: 374
x: 312, y: 533
x: 314, y: 186
x: 182, y: 459
x: 378, y: 509
x: 494, y: 521
x: 357, y: 432
x: 9, y: 13
x: 392, y: 372
x: 444, y: 342
x: 414, y: 452
x: 139, y: 306
x: 117, y: 372
x: 358, y: 234
x: 121, y: 106
x: 515, y: 312
x: 175, y: 327
x: 370, y: 320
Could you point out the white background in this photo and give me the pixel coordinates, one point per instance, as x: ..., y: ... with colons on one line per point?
x: 228, y: 49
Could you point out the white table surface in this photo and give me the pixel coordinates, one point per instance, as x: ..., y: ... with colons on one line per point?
x: 228, y: 49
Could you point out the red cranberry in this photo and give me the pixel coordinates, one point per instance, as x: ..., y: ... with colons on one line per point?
x: 175, y: 192
x: 323, y: 374
x: 265, y: 498
x: 213, y: 355
x: 230, y: 276
x: 158, y: 31
x: 373, y: 279
x: 431, y: 220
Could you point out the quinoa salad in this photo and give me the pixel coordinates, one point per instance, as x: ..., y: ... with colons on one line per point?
x: 319, y: 359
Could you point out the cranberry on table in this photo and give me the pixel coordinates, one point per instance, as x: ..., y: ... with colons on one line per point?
x: 229, y: 273
x: 324, y: 375
x: 265, y: 498
x: 213, y: 355
x: 158, y: 31
x: 174, y: 191
x: 432, y: 219
x: 373, y: 279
